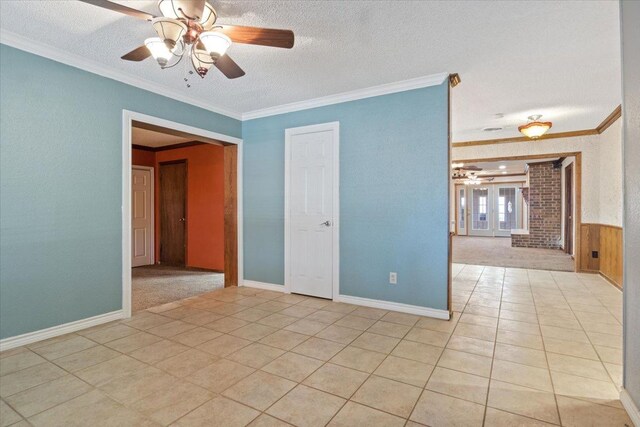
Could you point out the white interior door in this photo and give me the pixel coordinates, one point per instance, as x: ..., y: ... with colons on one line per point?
x: 141, y: 216
x: 311, y: 237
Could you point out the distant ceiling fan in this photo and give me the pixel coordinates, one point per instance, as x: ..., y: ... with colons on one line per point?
x: 189, y: 28
x: 461, y: 171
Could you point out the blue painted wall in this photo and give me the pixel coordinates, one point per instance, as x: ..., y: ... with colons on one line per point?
x: 60, y: 187
x: 393, y: 195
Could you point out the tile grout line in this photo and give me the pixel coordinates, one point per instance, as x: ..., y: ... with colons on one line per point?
x: 546, y: 358
x: 493, y: 356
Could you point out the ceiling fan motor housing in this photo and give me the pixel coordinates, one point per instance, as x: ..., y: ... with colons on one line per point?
x: 193, y: 32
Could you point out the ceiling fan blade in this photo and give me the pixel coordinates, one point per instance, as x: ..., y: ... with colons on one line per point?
x: 259, y: 36
x: 229, y: 67
x: 138, y: 54
x: 120, y: 8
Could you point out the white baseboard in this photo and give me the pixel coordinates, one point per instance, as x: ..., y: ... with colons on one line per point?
x: 54, y: 331
x: 630, y: 406
x: 263, y: 285
x: 385, y: 305
x: 394, y: 306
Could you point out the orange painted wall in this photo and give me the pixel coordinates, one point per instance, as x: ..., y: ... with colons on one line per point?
x: 205, y: 203
x: 143, y: 158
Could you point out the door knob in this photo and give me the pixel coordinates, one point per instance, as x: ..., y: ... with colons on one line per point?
x: 181, y: 219
x: 326, y: 223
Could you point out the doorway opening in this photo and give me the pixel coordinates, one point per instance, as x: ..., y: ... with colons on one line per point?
x: 517, y: 212
x: 183, y: 215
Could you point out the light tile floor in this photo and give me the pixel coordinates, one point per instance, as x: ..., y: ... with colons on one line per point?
x: 525, y: 348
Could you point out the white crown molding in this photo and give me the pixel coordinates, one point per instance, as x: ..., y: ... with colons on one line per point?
x: 385, y: 89
x: 23, y: 43
x: 20, y: 42
x: 263, y: 285
x: 54, y: 331
x: 394, y: 306
x: 630, y: 406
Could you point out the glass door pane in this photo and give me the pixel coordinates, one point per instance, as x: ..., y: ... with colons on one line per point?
x: 481, y: 210
x: 507, y: 215
x: 462, y: 212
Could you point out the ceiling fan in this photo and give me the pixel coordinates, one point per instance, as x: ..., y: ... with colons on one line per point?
x: 461, y: 171
x: 189, y: 28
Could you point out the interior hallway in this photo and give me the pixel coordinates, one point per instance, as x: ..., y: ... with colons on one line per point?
x: 153, y: 285
x: 497, y: 251
x: 525, y: 347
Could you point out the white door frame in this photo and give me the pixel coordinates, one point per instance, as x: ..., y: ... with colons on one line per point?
x: 152, y: 248
x: 127, y: 118
x: 335, y: 128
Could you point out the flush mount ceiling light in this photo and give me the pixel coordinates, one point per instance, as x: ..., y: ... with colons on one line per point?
x: 534, y: 129
x: 502, y: 167
x: 189, y: 28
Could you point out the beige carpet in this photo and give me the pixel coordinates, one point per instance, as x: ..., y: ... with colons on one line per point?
x: 154, y: 285
x: 497, y: 251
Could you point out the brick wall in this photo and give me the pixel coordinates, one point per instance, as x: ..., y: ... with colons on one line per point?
x: 545, y: 208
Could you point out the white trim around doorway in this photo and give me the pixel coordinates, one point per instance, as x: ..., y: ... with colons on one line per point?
x: 127, y: 118
x: 335, y: 128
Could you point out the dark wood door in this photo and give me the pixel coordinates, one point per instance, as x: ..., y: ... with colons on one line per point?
x: 173, y: 197
x: 568, y: 210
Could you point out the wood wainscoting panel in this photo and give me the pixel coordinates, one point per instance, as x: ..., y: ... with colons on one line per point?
x: 589, y: 242
x: 611, y: 253
x: 230, y: 216
x: 607, y: 241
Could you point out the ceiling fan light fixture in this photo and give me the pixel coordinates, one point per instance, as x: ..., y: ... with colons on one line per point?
x: 169, y: 30
x: 535, y: 128
x: 159, y: 50
x: 209, y: 17
x: 201, y: 61
x: 215, y: 43
x: 169, y: 9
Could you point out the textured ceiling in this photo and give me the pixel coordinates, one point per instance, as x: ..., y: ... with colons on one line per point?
x: 517, y: 58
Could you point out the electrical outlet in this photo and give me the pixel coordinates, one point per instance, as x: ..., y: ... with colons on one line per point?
x: 393, y: 278
x: 594, y: 254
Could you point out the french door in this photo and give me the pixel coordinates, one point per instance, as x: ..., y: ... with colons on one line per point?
x: 488, y: 210
x: 506, y: 210
x: 461, y: 214
x: 481, y: 211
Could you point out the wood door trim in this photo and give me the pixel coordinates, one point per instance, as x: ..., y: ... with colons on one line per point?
x: 186, y: 206
x: 568, y: 213
x: 450, y: 182
x: 230, y: 216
